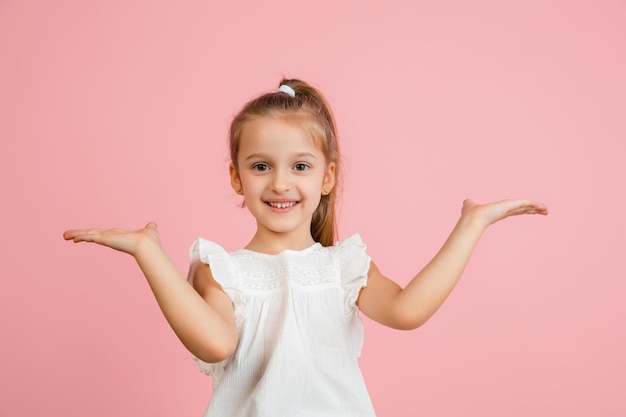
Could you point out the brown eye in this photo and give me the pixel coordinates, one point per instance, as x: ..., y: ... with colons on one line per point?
x: 261, y: 167
x: 301, y: 166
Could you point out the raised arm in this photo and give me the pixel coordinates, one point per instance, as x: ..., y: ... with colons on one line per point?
x: 386, y: 302
x: 202, y: 318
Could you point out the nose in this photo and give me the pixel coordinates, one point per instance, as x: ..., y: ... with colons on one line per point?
x: 280, y: 182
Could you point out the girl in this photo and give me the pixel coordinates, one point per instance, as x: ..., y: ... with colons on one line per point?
x: 276, y: 323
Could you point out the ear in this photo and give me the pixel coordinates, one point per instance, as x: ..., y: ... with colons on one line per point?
x: 329, y: 179
x: 235, y: 181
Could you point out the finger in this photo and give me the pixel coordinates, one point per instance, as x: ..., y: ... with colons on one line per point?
x: 151, y: 225
x: 90, y: 236
x: 528, y: 207
x: 68, y: 234
x: 84, y: 235
x: 72, y: 233
x: 467, y: 204
x: 541, y: 208
x: 534, y: 207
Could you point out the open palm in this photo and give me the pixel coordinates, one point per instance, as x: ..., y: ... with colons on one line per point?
x: 493, y: 212
x: 123, y: 240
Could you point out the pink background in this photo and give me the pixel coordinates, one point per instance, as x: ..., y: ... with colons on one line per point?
x: 115, y: 113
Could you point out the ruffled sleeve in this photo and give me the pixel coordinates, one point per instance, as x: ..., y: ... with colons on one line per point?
x: 224, y: 273
x: 355, y: 264
x: 210, y: 253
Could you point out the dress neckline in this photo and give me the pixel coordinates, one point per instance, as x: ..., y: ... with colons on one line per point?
x: 284, y: 251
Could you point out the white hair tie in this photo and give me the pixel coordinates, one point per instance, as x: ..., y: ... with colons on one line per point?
x: 287, y: 90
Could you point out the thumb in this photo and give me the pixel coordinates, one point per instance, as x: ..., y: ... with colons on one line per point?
x: 151, y: 225
x: 468, y: 202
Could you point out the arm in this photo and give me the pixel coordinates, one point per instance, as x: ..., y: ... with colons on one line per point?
x: 386, y: 302
x: 202, y: 318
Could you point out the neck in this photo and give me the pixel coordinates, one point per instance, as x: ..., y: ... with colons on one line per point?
x: 271, y: 243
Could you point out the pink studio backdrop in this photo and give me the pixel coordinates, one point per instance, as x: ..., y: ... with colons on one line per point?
x: 115, y: 113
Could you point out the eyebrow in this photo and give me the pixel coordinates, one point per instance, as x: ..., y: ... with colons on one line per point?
x: 266, y: 156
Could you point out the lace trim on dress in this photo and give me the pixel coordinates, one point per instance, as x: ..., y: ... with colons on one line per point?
x: 268, y: 272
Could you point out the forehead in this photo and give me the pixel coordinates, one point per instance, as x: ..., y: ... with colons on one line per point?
x: 276, y: 136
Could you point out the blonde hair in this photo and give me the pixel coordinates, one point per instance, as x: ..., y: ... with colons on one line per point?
x: 308, y: 108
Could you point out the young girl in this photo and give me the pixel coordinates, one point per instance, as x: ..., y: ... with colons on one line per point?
x: 276, y: 324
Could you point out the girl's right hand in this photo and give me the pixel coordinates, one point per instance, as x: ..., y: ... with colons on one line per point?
x: 128, y: 241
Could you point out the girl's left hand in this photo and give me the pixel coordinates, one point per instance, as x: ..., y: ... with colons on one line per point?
x: 487, y: 214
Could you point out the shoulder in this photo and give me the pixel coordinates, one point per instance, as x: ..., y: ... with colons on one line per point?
x: 351, y: 251
x: 203, y: 250
x: 354, y: 264
x: 352, y: 241
x: 210, y: 266
x: 347, y: 248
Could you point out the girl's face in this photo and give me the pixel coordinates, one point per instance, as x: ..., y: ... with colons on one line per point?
x: 282, y: 175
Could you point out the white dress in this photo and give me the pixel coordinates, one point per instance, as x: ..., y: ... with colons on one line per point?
x: 299, y: 331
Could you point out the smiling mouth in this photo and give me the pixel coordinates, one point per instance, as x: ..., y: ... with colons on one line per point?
x: 281, y: 205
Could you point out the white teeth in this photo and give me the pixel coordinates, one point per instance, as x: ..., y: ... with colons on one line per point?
x: 282, y: 205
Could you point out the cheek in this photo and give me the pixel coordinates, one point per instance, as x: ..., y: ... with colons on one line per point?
x: 251, y: 188
x: 249, y: 180
x: 314, y: 191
